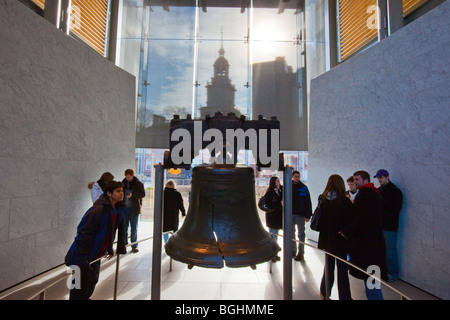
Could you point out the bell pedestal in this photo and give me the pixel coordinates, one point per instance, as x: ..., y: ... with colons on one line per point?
x: 222, y: 226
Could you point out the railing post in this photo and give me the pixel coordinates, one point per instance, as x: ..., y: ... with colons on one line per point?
x: 116, y: 278
x: 327, y: 277
x: 287, y: 234
x: 157, y: 233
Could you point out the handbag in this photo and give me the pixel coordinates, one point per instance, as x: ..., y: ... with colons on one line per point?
x: 263, y: 205
x: 317, y: 215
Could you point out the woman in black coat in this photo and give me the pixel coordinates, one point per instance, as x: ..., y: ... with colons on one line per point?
x: 334, y: 224
x: 173, y: 203
x: 274, y: 218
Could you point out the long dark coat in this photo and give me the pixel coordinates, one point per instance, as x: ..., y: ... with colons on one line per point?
x: 138, y: 192
x: 367, y: 246
x: 336, y: 217
x: 274, y: 219
x: 173, y: 203
x: 391, y: 202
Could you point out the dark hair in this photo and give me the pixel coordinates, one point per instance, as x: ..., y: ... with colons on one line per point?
x: 106, y: 177
x: 335, y: 184
x: 129, y: 172
x: 272, y: 183
x: 295, y: 172
x: 350, y: 179
x: 363, y: 174
x: 113, y: 185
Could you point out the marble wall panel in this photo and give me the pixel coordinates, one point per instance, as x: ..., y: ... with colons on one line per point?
x: 30, y: 215
x: 441, y: 234
x: 68, y: 115
x: 5, y: 205
x: 388, y: 107
x: 49, y: 250
x: 17, y: 260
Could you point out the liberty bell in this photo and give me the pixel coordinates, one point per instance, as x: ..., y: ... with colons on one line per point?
x: 222, y: 225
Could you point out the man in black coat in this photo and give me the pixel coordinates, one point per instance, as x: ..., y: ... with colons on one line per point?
x: 367, y: 246
x: 391, y: 202
x: 301, y: 211
x: 134, y: 192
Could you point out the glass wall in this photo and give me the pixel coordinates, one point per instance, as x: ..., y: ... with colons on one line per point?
x: 147, y: 158
x: 245, y: 57
x: 316, y: 45
x: 199, y: 60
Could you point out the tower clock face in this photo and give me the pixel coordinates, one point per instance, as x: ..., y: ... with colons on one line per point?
x: 221, y: 67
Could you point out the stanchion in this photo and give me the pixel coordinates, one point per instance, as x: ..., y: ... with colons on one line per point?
x: 157, y: 233
x: 287, y: 232
x: 327, y: 279
x: 116, y: 277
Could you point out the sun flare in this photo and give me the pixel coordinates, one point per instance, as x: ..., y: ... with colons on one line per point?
x: 266, y: 42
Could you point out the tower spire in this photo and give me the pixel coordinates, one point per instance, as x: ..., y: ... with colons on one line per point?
x: 221, y: 51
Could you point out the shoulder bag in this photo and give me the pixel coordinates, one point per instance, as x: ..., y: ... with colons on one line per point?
x: 262, y: 204
x: 317, y: 215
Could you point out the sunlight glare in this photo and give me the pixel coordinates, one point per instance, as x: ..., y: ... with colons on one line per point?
x: 265, y: 42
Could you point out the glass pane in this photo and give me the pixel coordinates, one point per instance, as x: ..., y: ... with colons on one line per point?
x: 277, y: 74
x: 129, y: 50
x: 166, y: 75
x: 166, y: 90
x: 230, y: 21
x: 222, y: 64
x: 171, y: 19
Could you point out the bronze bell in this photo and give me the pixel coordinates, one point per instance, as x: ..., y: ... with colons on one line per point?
x: 222, y: 223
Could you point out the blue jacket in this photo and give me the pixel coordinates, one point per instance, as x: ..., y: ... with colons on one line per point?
x: 95, y: 228
x: 301, y: 200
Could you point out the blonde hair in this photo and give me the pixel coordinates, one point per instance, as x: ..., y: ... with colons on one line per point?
x: 170, y: 184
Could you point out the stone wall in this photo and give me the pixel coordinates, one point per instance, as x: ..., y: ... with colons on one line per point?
x: 67, y: 115
x: 388, y: 107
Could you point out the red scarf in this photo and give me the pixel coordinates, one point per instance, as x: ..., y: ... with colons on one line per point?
x: 370, y: 185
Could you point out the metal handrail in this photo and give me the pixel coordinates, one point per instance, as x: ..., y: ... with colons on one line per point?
x: 116, y: 277
x: 42, y: 292
x: 128, y: 245
x: 350, y: 264
x: 295, y: 240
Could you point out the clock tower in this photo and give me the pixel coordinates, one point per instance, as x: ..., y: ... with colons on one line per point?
x: 220, y: 90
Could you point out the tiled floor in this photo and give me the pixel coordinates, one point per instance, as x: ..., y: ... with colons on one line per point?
x: 134, y: 281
